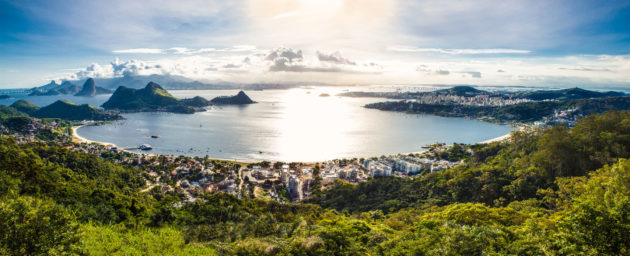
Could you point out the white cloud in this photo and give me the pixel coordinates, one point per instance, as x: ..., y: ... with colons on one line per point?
x: 140, y: 50
x: 334, y: 58
x: 294, y: 65
x: 456, y: 51
x: 186, y: 51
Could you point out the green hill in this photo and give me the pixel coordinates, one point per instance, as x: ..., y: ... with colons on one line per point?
x: 151, y: 98
x: 25, y: 106
x: 239, y: 99
x: 566, y: 94
x: 67, y: 110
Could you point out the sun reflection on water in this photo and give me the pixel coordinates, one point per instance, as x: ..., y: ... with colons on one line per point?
x: 313, y: 125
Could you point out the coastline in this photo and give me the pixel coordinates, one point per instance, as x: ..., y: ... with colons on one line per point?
x: 78, y: 139
x: 497, y: 139
x: 504, y: 137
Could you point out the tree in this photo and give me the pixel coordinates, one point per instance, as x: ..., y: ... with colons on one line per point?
x: 31, y: 226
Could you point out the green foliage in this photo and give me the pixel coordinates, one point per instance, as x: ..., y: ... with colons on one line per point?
x: 552, y: 191
x: 25, y: 106
x: 70, y: 111
x: 497, y: 173
x: 31, y: 226
x: 118, y: 240
x: 98, y: 190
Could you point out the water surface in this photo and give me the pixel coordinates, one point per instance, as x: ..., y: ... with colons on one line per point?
x: 289, y: 125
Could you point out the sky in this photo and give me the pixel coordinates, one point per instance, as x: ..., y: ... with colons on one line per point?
x: 554, y: 43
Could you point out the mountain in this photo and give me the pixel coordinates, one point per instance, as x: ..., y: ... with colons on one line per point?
x: 462, y: 90
x: 151, y: 98
x: 48, y: 86
x: 52, y: 89
x: 90, y: 89
x: 25, y: 106
x: 68, y: 88
x: 239, y: 99
x: 51, y: 92
x: 67, y: 110
x: 567, y: 94
x: 197, y: 101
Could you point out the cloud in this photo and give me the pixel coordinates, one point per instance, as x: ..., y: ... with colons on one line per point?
x: 456, y: 51
x: 428, y: 71
x: 474, y: 74
x: 334, y: 58
x: 442, y: 72
x: 586, y: 69
x: 289, y: 60
x: 185, y: 51
x: 230, y: 65
x: 285, y: 53
x: 284, y: 64
x: 500, y: 70
x: 140, y: 50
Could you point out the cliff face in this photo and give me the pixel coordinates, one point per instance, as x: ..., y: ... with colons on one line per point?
x: 90, y: 89
x: 239, y: 99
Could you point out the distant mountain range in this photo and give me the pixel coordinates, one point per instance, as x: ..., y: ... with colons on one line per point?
x: 469, y: 91
x: 168, y: 82
x: 89, y: 89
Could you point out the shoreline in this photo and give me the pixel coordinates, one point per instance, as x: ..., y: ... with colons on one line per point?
x: 504, y: 137
x: 78, y: 139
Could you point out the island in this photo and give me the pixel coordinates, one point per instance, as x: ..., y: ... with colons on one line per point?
x: 5, y: 97
x: 239, y: 99
x: 152, y: 98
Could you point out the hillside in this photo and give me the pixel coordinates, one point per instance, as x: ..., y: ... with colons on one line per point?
x: 25, y: 106
x: 151, y: 98
x: 67, y: 110
x: 566, y: 94
x: 239, y: 99
x: 547, y: 191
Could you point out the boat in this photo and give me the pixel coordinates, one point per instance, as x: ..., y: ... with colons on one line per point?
x: 145, y: 147
x: 155, y: 136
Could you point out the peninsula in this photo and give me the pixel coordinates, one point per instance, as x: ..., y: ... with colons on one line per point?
x: 544, y: 106
x: 152, y: 98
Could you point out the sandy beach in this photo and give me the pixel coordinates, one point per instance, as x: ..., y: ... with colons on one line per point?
x: 79, y: 139
x: 502, y: 138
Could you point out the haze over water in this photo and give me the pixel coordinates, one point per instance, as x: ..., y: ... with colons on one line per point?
x: 289, y: 125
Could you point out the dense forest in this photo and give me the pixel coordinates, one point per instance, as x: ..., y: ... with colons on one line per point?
x: 548, y: 191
